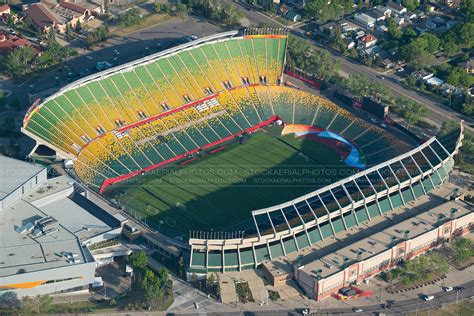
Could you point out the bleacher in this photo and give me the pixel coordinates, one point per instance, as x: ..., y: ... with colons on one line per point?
x: 134, y: 119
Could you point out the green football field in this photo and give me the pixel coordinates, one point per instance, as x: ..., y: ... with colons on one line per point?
x: 219, y: 190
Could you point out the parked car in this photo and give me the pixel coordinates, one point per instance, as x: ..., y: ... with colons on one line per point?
x: 428, y: 297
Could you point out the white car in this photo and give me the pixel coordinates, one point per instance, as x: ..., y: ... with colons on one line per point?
x: 357, y: 310
x: 447, y: 288
x: 428, y: 297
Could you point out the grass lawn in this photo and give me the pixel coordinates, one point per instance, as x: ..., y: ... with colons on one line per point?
x: 145, y: 22
x: 220, y: 190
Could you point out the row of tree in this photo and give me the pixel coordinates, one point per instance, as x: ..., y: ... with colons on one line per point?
x: 154, y: 284
x: 323, y: 10
x: 129, y: 18
x: 99, y: 35
x: 24, y: 60
x: 320, y: 62
x: 215, y: 10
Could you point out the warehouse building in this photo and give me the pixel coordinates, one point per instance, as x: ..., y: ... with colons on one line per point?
x: 46, y: 227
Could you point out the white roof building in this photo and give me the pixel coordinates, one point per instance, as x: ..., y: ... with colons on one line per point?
x: 46, y: 226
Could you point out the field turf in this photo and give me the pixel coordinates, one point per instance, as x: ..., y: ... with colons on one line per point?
x: 218, y: 191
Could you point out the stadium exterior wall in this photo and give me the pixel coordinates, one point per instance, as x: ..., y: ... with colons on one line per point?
x: 235, y: 254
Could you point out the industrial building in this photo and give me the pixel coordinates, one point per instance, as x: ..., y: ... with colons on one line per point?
x: 46, y: 226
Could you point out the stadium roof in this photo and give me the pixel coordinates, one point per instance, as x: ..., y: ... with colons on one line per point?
x: 14, y: 173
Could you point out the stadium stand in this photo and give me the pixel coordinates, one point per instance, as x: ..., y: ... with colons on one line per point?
x: 140, y: 116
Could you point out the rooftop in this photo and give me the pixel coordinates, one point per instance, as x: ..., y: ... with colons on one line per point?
x: 39, y: 229
x: 14, y: 173
x: 387, y: 238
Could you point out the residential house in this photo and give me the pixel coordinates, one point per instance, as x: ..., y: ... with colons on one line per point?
x: 364, y: 20
x: 384, y: 10
x: 381, y: 29
x: 284, y: 9
x: 439, y: 20
x: 371, y: 51
x: 328, y: 29
x: 434, y: 82
x: 410, y: 15
x: 299, y: 4
x: 4, y: 10
x: 430, y: 24
x: 359, y: 34
x: 367, y: 41
x: 420, y: 14
x: 377, y: 15
x: 387, y: 63
x: 396, y: 8
x: 350, y: 43
x: 422, y: 75
x: 451, y: 23
x: 9, y: 42
x: 399, y: 20
x: 468, y: 65
x: 347, y: 27
x: 293, y: 16
x: 447, y: 89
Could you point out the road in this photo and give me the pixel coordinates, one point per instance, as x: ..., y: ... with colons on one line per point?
x: 400, y: 307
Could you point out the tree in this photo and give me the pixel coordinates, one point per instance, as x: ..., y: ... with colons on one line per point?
x: 129, y: 18
x: 39, y: 304
x: 466, y: 34
x: 450, y: 48
x: 410, y: 4
x: 19, y: 60
x: 432, y: 42
x: 464, y: 249
x: 181, y: 10
x: 411, y: 81
x: 79, y: 26
x: 270, y: 6
x: 468, y: 107
x: 51, y: 35
x: 412, y: 111
x: 458, y: 77
x: 69, y: 32
x: 154, y: 285
x: 139, y: 263
x: 2, y: 100
x: 467, y: 6
x: 447, y: 127
x: 158, y: 7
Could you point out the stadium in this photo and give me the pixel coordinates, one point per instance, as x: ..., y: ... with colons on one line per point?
x: 206, y: 144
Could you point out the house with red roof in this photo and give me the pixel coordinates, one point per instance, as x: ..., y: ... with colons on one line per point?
x: 367, y: 41
x: 10, y: 42
x: 4, y: 10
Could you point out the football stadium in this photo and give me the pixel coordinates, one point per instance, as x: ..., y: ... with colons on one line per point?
x: 206, y: 144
